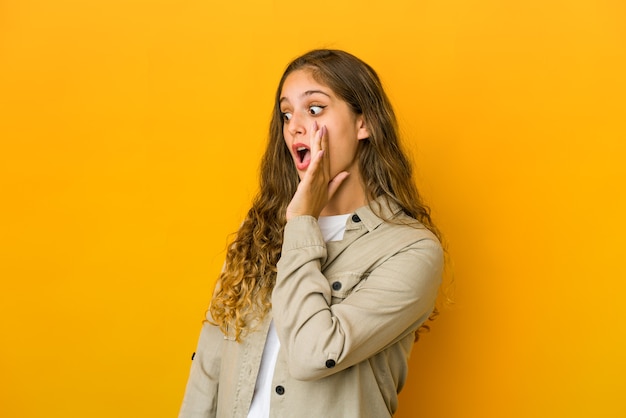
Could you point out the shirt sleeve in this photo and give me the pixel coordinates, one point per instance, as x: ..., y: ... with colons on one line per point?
x: 321, y: 338
x: 200, y: 399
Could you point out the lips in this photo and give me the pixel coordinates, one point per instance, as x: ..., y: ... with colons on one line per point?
x: 302, y: 155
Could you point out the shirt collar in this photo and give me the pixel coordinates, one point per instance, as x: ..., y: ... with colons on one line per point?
x: 368, y: 214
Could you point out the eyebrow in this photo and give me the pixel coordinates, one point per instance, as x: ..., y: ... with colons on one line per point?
x: 307, y: 93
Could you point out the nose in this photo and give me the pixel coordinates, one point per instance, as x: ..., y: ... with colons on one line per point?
x: 296, y: 125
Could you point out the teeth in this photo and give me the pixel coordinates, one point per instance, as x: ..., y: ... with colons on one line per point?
x: 301, y: 149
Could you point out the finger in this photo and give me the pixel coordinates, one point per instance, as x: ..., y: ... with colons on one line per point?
x: 317, y: 154
x: 336, y: 182
x: 316, y: 165
x: 314, y: 141
x: 318, y: 139
x: 324, y: 145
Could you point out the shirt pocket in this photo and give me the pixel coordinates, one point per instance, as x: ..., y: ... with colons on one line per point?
x: 344, y: 283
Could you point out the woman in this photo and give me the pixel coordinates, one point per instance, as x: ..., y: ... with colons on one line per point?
x: 335, y: 268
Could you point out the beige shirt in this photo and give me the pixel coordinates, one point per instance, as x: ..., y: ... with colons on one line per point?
x: 345, y: 313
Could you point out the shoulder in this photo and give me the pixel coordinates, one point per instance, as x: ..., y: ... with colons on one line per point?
x: 400, y: 243
x: 406, y: 234
x: 390, y: 224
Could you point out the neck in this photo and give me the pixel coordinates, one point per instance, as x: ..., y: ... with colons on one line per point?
x: 349, y: 197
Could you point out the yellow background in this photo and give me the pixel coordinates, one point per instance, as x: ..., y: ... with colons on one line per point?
x: 130, y: 134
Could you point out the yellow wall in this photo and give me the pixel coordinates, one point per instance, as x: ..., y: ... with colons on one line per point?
x: 130, y: 132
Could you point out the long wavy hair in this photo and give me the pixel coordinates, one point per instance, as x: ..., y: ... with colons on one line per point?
x: 243, y: 290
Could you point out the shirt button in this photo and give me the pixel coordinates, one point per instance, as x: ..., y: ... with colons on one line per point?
x: 280, y: 390
x: 330, y: 364
x: 336, y: 285
x: 355, y: 218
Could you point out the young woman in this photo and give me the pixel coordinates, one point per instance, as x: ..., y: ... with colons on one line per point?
x: 335, y: 268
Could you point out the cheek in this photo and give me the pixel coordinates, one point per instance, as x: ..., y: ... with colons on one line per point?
x: 339, y: 155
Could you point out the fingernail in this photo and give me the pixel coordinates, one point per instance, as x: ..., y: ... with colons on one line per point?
x: 314, y: 125
x: 323, y: 130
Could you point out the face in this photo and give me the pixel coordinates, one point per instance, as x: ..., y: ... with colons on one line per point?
x: 304, y: 102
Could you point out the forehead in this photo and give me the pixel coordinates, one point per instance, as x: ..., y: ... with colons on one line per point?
x: 302, y: 83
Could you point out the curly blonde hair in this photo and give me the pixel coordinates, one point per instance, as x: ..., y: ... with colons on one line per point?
x: 244, y: 288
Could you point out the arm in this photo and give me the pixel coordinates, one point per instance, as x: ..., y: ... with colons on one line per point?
x: 201, y: 394
x: 321, y: 339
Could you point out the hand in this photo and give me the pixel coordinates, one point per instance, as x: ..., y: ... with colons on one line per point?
x: 316, y: 187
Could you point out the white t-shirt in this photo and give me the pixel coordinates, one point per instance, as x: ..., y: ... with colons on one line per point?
x: 332, y: 228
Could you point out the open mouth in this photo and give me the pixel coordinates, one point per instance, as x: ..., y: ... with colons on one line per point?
x: 302, y: 155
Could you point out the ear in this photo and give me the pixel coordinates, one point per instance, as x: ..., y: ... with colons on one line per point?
x: 361, y: 126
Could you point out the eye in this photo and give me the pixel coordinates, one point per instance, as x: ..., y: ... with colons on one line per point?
x: 286, y: 116
x: 316, y: 109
